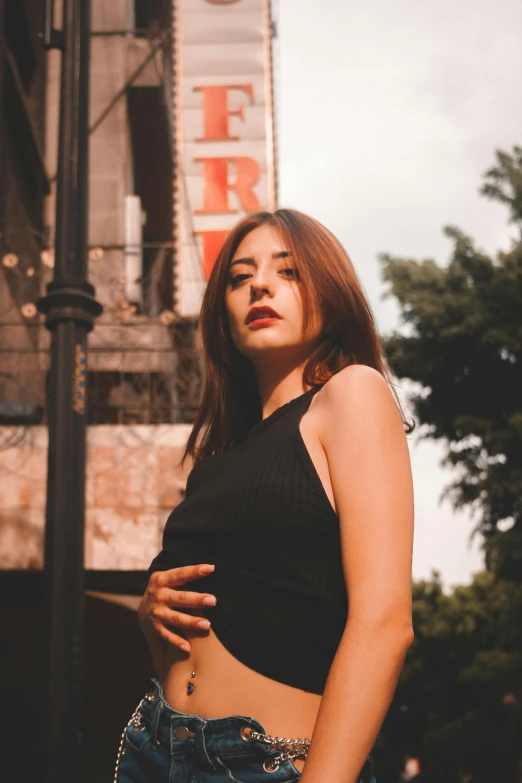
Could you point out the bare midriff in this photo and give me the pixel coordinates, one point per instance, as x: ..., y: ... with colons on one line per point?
x: 224, y: 686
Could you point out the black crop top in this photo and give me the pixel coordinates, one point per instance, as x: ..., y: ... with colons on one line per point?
x: 259, y: 512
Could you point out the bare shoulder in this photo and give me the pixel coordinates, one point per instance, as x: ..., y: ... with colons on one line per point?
x: 353, y: 386
x: 352, y: 377
x: 357, y: 397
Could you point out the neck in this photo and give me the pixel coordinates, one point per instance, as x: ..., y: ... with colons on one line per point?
x: 275, y: 391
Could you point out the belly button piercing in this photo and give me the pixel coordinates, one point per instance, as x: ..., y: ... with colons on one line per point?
x: 190, y: 685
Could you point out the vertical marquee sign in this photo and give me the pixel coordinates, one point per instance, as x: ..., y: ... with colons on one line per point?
x: 224, y: 130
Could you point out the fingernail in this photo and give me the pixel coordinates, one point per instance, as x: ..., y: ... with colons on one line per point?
x: 204, y: 624
x: 209, y: 600
x: 206, y: 569
x: 184, y: 647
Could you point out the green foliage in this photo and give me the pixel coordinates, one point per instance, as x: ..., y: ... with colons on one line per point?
x: 458, y: 705
x: 504, y: 182
x: 462, y: 341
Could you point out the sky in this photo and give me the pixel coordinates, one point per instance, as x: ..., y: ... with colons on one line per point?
x: 387, y: 116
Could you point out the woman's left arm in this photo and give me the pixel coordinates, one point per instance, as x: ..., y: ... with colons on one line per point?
x: 369, y: 465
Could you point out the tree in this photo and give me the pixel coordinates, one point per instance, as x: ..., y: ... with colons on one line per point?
x: 458, y: 705
x: 462, y: 342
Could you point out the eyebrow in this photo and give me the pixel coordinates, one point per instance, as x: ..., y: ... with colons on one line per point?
x: 249, y: 260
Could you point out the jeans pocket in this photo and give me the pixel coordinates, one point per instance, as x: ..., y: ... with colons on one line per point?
x: 138, y: 740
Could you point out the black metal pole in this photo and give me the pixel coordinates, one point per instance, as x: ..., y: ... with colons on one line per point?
x: 70, y: 309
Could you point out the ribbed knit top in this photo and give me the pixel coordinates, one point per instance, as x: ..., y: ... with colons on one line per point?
x: 260, y: 514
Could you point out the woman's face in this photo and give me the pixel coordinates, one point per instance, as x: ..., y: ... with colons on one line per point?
x: 262, y: 274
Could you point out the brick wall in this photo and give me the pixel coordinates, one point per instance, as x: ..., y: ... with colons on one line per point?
x: 133, y: 482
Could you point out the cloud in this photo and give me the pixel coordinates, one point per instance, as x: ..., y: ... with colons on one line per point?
x: 388, y: 114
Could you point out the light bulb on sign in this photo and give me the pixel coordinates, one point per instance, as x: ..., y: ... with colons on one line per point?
x: 28, y: 310
x: 10, y: 260
x: 47, y: 258
x: 95, y: 254
x: 167, y: 317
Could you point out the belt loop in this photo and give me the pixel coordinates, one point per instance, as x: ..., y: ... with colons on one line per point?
x: 201, y: 746
x: 154, y: 741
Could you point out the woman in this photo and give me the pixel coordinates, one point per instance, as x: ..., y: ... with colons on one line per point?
x: 286, y: 570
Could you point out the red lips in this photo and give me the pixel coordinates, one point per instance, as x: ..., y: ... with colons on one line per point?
x: 255, y: 313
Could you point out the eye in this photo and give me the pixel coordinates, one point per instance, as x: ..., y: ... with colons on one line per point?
x: 290, y: 272
x: 235, y: 280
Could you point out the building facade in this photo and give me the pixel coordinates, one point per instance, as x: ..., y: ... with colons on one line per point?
x: 181, y: 144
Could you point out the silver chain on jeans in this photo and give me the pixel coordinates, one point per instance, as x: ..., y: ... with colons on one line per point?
x: 290, y: 748
x: 137, y: 725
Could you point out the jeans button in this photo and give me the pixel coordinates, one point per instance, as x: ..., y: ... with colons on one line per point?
x: 183, y: 733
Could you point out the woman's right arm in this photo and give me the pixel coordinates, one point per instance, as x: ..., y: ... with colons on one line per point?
x: 158, y: 611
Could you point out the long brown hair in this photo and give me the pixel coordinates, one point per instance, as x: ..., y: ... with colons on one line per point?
x: 230, y: 404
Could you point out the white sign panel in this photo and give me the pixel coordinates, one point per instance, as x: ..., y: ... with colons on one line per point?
x: 224, y: 130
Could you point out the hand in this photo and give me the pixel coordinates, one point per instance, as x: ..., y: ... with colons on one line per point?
x: 156, y: 611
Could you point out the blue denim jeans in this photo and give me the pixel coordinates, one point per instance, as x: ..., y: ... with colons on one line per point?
x: 162, y: 745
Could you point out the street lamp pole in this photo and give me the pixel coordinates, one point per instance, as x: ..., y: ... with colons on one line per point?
x: 70, y: 309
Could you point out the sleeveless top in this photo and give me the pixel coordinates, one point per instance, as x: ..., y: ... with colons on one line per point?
x: 260, y: 514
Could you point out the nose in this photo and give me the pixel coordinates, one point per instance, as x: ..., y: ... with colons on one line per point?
x: 257, y: 290
x: 260, y: 284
